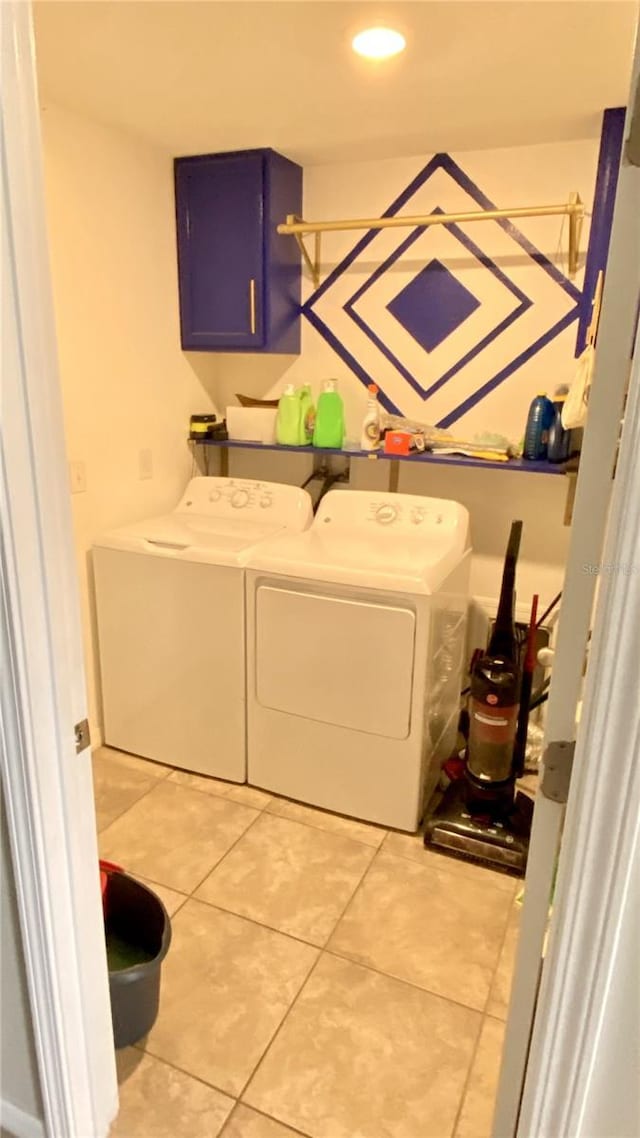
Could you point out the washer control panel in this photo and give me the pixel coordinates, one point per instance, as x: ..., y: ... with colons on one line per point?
x: 245, y: 498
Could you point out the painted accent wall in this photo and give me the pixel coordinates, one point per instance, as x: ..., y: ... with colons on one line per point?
x: 458, y: 325
x: 508, y: 329
x: 127, y: 386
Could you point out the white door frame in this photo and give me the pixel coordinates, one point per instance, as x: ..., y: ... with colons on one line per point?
x: 594, y: 496
x: 597, y: 877
x: 47, y: 786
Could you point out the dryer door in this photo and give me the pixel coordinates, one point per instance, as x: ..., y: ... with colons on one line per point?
x: 335, y: 659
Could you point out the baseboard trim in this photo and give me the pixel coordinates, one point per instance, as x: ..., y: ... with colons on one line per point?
x: 18, y: 1124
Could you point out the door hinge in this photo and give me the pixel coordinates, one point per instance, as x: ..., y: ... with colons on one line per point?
x: 558, y: 766
x: 83, y: 738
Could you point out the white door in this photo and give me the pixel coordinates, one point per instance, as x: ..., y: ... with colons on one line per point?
x: 531, y: 1087
x: 47, y: 778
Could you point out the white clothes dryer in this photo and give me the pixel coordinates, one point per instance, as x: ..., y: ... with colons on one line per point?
x: 355, y: 640
x: 171, y: 622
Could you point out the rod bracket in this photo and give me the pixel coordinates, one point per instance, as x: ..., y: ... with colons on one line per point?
x: 558, y: 767
x: 312, y: 263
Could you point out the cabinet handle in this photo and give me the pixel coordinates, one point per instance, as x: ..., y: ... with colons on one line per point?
x: 252, y: 305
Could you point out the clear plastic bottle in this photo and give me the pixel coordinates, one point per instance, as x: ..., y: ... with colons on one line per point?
x: 370, y: 438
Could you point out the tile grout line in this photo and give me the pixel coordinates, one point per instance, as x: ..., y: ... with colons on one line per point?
x: 447, y: 868
x: 502, y: 944
x: 323, y: 829
x: 402, y: 980
x: 225, y: 854
x: 277, y: 1033
x: 131, y: 805
x: 252, y: 921
x: 263, y: 924
x: 467, y: 1080
x: 189, y: 1074
x: 216, y: 793
x: 324, y: 951
x: 262, y: 1114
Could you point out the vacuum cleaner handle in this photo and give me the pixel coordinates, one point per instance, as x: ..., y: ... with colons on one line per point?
x: 503, y: 639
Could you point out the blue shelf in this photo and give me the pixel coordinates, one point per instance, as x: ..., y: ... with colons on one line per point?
x: 514, y: 464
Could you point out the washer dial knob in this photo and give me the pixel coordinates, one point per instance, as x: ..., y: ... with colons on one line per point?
x: 386, y: 514
x: 239, y: 498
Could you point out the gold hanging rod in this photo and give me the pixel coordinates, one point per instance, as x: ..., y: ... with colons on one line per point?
x: 299, y: 228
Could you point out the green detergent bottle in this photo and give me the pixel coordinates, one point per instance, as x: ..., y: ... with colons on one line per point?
x: 329, y: 425
x: 288, y: 417
x: 307, y: 415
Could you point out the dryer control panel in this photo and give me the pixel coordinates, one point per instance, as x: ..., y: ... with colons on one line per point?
x: 243, y: 498
x: 397, y: 514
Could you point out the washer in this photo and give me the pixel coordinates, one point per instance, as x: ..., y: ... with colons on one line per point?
x: 170, y: 607
x: 355, y: 640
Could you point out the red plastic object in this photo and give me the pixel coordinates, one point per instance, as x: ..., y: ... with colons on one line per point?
x: 397, y: 442
x: 107, y: 867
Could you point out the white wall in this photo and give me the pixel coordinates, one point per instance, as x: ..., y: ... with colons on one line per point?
x: 126, y: 384
x: 19, y: 1082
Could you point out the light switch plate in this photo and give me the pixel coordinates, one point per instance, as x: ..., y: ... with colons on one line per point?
x: 78, y: 477
x: 145, y: 463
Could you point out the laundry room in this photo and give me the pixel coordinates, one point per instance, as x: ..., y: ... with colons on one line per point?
x: 326, y: 308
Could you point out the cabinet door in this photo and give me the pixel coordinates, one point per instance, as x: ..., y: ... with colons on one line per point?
x: 220, y: 205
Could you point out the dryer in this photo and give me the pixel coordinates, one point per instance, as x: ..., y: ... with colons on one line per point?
x: 171, y: 626
x: 355, y: 641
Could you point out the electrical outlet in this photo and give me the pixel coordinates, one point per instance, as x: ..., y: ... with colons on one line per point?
x: 145, y: 463
x: 78, y: 477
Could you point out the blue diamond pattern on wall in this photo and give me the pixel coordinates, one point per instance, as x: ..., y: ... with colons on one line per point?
x: 444, y: 318
x: 433, y: 305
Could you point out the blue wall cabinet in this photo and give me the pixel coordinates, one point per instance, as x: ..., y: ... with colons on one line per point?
x: 239, y: 280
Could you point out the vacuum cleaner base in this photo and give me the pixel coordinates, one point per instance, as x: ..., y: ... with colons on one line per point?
x: 502, y: 844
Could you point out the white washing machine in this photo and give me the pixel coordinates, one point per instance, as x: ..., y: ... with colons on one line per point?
x: 355, y: 640
x: 171, y: 626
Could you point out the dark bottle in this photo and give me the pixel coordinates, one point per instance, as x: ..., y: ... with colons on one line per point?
x: 559, y: 442
x: 539, y: 420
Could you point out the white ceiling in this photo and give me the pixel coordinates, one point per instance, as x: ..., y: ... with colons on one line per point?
x: 203, y: 76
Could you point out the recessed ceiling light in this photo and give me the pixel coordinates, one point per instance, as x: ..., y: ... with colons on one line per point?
x: 378, y: 43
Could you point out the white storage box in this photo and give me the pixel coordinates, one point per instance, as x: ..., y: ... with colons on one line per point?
x: 252, y: 424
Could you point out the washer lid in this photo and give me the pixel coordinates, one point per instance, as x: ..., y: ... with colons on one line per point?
x: 221, y: 541
x: 217, y: 521
x: 398, y: 542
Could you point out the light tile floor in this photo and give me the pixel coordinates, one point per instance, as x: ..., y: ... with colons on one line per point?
x: 326, y: 978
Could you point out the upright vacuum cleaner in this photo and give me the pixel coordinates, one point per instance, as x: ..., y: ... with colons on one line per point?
x: 481, y: 818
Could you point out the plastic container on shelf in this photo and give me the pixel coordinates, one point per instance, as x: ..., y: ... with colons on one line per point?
x: 288, y: 417
x: 329, y: 425
x: 307, y: 415
x: 539, y: 420
x: 559, y: 442
x: 371, y: 427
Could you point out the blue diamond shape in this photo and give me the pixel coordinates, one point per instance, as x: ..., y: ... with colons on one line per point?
x: 433, y: 305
